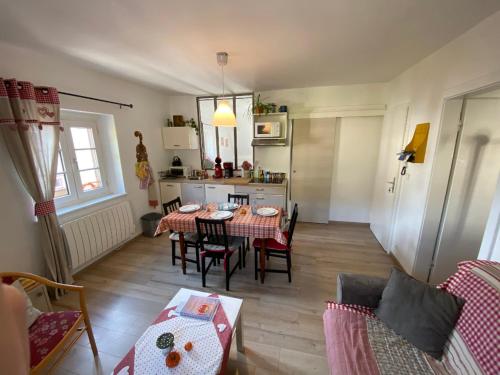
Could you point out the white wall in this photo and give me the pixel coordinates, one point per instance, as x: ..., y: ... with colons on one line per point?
x: 467, y: 63
x: 356, y: 151
x: 19, y: 249
x: 328, y: 101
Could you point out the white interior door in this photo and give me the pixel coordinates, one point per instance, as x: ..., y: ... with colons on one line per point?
x: 388, y: 175
x: 471, y: 188
x: 312, y: 161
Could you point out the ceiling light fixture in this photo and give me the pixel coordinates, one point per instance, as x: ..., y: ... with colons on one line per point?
x: 224, y: 115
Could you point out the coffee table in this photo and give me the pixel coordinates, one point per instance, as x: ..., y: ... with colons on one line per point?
x: 211, y: 340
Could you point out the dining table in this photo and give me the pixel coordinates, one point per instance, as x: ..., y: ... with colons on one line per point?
x: 245, y: 222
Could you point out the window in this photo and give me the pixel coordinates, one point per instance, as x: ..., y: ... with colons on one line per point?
x: 80, y: 169
x: 231, y: 144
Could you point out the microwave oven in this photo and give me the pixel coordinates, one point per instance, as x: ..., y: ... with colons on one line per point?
x: 267, y: 130
x: 180, y: 171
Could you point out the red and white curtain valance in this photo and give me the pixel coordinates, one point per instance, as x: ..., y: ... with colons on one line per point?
x: 23, y: 104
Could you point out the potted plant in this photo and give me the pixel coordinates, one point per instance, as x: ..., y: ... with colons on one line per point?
x: 192, y: 124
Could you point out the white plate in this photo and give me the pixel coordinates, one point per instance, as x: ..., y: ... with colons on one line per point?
x: 267, y: 211
x: 189, y: 208
x: 221, y: 215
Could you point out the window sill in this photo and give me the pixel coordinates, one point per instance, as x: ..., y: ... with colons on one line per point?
x: 61, y: 212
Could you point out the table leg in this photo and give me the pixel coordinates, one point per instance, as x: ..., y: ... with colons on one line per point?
x: 182, y: 246
x: 239, y: 334
x: 262, y: 259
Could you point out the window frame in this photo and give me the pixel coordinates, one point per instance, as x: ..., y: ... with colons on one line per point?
x: 215, y: 98
x: 76, y: 193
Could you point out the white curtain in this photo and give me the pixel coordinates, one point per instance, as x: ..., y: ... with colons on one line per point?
x: 30, y: 125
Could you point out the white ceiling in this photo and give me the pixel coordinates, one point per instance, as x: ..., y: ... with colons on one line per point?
x: 273, y: 44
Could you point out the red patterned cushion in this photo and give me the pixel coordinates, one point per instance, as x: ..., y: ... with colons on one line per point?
x: 478, y: 282
x: 272, y: 244
x: 47, y: 331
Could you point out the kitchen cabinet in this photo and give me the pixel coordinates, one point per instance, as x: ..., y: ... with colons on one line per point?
x: 169, y: 191
x: 268, y: 200
x: 192, y: 193
x: 179, y: 138
x: 264, y: 195
x: 217, y: 193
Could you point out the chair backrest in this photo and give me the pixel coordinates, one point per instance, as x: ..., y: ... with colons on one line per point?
x: 214, y: 232
x: 239, y: 198
x: 172, y: 206
x: 291, y: 228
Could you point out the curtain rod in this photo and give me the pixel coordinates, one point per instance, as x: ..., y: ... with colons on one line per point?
x: 96, y: 99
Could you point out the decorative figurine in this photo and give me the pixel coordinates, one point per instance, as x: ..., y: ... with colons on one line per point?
x: 218, y: 168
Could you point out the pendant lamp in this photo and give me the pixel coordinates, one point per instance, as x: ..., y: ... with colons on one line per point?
x: 224, y: 115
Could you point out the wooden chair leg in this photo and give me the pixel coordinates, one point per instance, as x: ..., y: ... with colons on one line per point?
x: 289, y: 265
x: 203, y: 272
x: 173, y: 253
x: 239, y: 256
x: 256, y: 252
x: 197, y: 258
x: 228, y: 272
x: 90, y: 334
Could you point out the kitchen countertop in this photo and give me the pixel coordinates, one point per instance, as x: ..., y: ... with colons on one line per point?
x: 222, y: 181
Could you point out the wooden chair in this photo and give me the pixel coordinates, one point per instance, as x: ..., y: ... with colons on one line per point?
x: 65, y: 327
x: 241, y: 199
x: 217, y: 245
x: 190, y: 239
x: 277, y: 250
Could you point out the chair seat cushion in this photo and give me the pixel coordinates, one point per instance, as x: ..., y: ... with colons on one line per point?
x: 272, y: 244
x: 188, y: 237
x: 47, y: 331
x: 233, y: 244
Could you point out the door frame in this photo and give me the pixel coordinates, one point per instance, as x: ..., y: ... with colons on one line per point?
x: 452, y: 110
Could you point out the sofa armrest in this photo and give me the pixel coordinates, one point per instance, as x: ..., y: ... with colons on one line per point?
x: 359, y: 289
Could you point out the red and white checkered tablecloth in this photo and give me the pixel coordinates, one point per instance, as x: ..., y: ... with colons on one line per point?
x: 247, y: 225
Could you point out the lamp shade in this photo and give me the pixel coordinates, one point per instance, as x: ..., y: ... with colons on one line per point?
x: 224, y: 115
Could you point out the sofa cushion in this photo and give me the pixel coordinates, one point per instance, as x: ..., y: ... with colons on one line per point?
x: 360, y: 289
x: 47, y: 331
x: 359, y: 343
x: 474, y: 342
x: 422, y: 314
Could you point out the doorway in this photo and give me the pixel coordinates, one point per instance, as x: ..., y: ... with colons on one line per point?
x: 472, y: 180
x: 312, y: 158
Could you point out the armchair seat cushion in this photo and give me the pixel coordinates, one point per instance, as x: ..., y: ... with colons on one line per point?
x: 47, y: 331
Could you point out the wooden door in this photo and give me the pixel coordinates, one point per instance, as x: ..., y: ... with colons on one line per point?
x: 388, y: 176
x: 312, y: 163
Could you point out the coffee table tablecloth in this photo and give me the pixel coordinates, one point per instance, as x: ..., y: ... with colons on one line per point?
x: 211, y: 340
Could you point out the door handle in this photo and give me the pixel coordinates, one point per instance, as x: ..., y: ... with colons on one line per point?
x: 392, y: 185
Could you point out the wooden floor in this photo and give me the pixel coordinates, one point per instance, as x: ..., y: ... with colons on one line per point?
x: 283, y: 327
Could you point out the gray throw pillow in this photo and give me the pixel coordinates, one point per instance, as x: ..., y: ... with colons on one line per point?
x: 423, y: 315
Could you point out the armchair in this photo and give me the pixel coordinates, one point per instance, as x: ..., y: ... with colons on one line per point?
x: 65, y: 327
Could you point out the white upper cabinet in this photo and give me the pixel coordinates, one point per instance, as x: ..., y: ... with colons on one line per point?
x: 180, y: 138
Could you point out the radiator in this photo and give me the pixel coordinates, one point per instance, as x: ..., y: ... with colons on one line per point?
x: 96, y: 234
